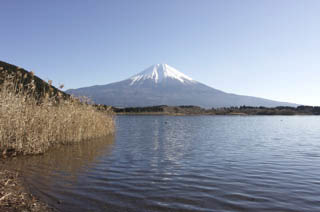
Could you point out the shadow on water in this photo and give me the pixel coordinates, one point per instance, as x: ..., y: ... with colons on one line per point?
x: 49, y: 175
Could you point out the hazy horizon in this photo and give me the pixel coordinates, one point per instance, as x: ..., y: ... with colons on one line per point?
x: 265, y: 49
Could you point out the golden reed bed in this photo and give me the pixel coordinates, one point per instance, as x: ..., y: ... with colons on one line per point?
x: 31, y: 123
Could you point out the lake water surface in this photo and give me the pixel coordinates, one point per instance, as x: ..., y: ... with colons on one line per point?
x: 186, y: 163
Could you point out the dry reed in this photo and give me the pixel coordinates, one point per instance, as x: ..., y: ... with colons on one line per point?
x: 30, y: 124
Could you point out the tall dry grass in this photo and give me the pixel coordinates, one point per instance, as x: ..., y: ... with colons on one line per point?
x: 31, y: 124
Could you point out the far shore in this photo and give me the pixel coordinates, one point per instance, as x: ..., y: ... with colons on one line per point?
x: 175, y: 114
x: 232, y: 111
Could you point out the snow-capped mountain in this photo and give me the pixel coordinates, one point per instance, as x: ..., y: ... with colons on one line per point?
x: 159, y: 73
x: 162, y: 84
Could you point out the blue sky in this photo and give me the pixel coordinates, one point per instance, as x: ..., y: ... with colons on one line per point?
x: 265, y: 48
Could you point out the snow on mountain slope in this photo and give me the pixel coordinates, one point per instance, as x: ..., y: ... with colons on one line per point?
x: 162, y: 84
x: 159, y: 73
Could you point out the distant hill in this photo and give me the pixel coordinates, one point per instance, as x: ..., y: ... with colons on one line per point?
x: 162, y: 84
x: 41, y: 85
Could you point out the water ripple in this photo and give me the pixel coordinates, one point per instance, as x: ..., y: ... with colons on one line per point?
x: 160, y: 163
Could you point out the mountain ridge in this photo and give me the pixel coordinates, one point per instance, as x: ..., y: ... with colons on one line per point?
x: 162, y: 84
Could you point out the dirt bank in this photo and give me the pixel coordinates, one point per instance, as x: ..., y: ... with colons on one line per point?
x: 14, y: 197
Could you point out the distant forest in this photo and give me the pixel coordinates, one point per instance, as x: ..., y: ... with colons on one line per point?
x: 195, y: 110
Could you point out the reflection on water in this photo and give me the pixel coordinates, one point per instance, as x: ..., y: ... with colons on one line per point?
x: 69, y: 159
x: 189, y: 163
x: 52, y: 174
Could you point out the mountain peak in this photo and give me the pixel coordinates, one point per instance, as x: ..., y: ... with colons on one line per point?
x: 161, y: 84
x: 159, y: 73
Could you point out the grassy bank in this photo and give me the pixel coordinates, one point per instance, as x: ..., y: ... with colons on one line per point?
x: 34, y: 116
x: 31, y: 121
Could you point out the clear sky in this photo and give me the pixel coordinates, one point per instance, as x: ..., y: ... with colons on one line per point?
x: 263, y: 48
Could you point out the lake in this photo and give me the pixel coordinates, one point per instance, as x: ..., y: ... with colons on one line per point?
x: 185, y: 163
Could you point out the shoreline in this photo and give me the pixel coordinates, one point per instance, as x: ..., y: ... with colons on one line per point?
x: 196, y: 110
x: 14, y: 195
x: 202, y: 114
